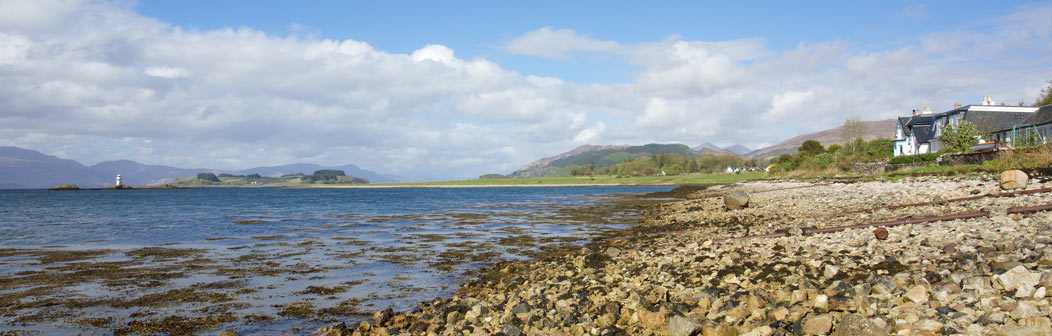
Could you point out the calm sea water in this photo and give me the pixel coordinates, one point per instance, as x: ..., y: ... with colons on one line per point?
x: 374, y: 247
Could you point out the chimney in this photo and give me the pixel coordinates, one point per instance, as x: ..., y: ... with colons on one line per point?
x: 988, y: 100
x: 927, y: 110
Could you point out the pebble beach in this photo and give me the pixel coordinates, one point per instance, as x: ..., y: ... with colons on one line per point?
x: 685, y: 270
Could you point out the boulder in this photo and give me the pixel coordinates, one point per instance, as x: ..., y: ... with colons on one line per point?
x: 1020, y: 331
x: 682, y: 326
x: 382, y: 316
x: 65, y: 187
x: 650, y: 319
x: 857, y: 325
x: 1018, y: 278
x: 736, y: 200
x: 918, y: 294
x: 338, y: 329
x: 1013, y: 179
x: 817, y: 325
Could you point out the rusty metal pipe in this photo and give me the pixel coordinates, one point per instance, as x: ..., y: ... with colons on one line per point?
x: 791, y: 188
x: 969, y: 198
x: 1029, y: 209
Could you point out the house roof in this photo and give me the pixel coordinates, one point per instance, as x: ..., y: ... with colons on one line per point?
x: 1042, y: 116
x: 923, y: 134
x: 996, y: 121
x: 904, y: 123
x: 920, y: 120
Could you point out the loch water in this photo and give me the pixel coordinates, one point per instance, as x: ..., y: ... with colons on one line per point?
x: 270, y: 260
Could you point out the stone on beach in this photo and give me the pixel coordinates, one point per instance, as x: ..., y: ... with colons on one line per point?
x: 817, y: 325
x: 736, y: 200
x: 1013, y: 179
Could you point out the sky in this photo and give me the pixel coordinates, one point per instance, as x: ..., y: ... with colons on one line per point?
x: 436, y: 90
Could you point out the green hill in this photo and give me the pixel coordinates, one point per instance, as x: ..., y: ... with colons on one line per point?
x: 598, y: 157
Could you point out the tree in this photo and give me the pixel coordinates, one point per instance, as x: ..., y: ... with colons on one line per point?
x: 692, y: 166
x: 811, y: 148
x: 1046, y: 95
x: 210, y: 177
x: 853, y: 129
x: 960, y: 136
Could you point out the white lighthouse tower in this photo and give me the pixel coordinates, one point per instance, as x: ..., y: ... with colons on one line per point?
x: 118, y: 180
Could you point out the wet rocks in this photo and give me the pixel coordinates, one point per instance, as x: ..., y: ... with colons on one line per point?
x: 1013, y: 179
x: 382, y: 316
x: 670, y: 276
x: 736, y: 200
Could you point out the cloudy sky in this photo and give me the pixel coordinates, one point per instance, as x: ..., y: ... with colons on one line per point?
x: 451, y: 90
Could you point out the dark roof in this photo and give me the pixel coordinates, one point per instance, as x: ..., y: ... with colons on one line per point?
x: 996, y: 121
x: 904, y: 123
x: 923, y: 134
x: 920, y: 120
x: 1043, y: 115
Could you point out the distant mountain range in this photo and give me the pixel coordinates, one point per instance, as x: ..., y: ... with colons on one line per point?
x: 709, y: 148
x: 28, y: 169
x: 605, y: 156
x: 873, y: 130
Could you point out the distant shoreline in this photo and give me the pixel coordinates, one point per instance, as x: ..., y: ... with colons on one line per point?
x: 366, y: 186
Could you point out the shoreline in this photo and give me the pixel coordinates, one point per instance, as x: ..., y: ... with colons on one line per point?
x: 668, y: 276
x: 233, y: 263
x: 478, y: 186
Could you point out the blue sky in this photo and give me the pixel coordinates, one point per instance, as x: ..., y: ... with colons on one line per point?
x: 450, y: 90
x: 479, y: 28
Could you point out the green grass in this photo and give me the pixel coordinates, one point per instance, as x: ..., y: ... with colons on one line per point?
x: 954, y: 170
x: 597, y: 180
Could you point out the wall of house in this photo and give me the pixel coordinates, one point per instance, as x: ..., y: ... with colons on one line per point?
x: 934, y: 145
x: 925, y: 148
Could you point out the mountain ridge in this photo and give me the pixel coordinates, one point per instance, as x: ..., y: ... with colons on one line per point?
x: 22, y: 168
x: 873, y: 130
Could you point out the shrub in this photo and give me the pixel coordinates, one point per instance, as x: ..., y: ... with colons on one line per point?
x: 880, y: 149
x: 959, y: 137
x: 821, y: 161
x: 917, y: 158
x: 811, y: 148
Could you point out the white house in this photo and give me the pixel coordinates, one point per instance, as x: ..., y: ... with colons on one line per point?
x: 920, y: 133
x: 1039, y: 124
x: 913, y: 134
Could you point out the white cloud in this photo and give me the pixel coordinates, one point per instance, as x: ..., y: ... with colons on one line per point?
x: 166, y: 72
x: 81, y: 76
x: 557, y: 44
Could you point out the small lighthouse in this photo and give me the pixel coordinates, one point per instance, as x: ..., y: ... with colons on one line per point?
x: 118, y: 180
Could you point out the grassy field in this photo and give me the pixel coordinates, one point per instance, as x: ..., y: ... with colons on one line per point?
x: 597, y: 180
